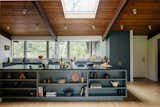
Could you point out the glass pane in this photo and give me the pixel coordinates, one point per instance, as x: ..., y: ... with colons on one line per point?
x: 62, y: 49
x: 80, y: 8
x: 18, y: 49
x: 51, y: 49
x: 79, y: 49
x: 35, y: 49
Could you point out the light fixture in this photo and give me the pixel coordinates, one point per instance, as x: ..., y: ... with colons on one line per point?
x: 65, y: 27
x: 149, y: 27
x: 24, y: 11
x: 80, y: 8
x: 36, y: 26
x: 134, y: 11
x: 93, y: 27
x: 8, y: 28
x: 121, y: 27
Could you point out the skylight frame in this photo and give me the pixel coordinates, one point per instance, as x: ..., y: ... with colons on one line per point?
x: 73, y: 14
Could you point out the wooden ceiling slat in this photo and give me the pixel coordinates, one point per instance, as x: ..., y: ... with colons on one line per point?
x: 115, y: 16
x: 44, y: 18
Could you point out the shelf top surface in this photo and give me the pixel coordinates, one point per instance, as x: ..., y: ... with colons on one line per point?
x: 55, y: 67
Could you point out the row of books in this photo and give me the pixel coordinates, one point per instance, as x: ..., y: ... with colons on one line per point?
x: 48, y: 94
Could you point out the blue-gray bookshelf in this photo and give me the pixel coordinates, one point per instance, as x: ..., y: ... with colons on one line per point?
x: 12, y: 88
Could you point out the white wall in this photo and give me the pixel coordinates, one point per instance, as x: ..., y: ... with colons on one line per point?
x: 153, y: 58
x: 140, y: 56
x: 4, y: 54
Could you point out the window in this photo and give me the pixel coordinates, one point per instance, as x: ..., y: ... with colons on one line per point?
x: 62, y: 49
x: 80, y: 8
x: 52, y: 53
x: 36, y: 48
x: 79, y: 49
x: 18, y: 49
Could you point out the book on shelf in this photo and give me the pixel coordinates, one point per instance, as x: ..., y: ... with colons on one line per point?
x: 40, y: 91
x: 50, y: 94
x: 96, y: 85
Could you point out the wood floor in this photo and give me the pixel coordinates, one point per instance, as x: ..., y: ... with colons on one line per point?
x: 142, y: 93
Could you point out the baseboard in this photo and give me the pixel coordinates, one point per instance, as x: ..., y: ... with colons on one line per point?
x: 140, y: 78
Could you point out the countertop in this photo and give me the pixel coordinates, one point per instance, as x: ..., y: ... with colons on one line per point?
x: 56, y: 67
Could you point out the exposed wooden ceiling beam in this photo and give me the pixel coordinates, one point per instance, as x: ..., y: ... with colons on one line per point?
x: 5, y: 34
x: 44, y: 18
x: 118, y: 10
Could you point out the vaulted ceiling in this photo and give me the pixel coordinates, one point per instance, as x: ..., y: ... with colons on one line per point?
x: 148, y: 13
x: 22, y: 18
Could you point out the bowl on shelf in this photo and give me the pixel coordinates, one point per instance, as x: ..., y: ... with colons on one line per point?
x: 68, y: 92
x: 61, y: 81
x: 115, y: 83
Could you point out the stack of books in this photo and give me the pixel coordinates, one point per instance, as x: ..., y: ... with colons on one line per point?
x: 50, y: 94
x: 95, y: 85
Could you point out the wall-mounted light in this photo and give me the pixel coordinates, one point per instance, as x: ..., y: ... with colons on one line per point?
x: 134, y: 11
x: 65, y: 27
x: 24, y: 11
x: 93, y: 27
x: 149, y: 27
x: 8, y: 28
x: 121, y: 27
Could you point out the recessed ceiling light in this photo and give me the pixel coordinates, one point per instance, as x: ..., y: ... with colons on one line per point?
x: 149, y: 27
x: 93, y: 27
x: 8, y: 28
x: 134, y: 11
x: 36, y: 27
x: 122, y: 27
x: 24, y: 11
x: 65, y: 27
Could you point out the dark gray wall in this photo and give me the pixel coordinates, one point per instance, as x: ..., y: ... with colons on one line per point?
x: 119, y: 49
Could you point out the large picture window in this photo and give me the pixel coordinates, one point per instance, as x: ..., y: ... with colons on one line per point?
x: 79, y: 49
x: 62, y: 49
x: 18, y: 49
x: 52, y: 49
x: 36, y: 48
x: 52, y: 53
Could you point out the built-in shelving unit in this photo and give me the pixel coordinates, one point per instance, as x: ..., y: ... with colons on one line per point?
x: 61, y: 85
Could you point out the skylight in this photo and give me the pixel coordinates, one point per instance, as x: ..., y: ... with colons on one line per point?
x: 80, y: 8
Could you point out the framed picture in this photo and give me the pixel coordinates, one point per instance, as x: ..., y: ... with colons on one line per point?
x: 6, y: 47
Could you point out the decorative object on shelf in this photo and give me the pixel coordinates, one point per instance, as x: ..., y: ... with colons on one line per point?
x: 61, y: 81
x: 51, y: 94
x: 75, y: 77
x: 105, y: 65
x: 115, y: 83
x: 9, y: 60
x: 106, y: 76
x: 22, y: 76
x: 49, y: 81
x: 83, y: 91
x: 44, y: 63
x: 9, y: 76
x: 31, y: 93
x: 95, y: 85
x: 40, y: 57
x: 44, y: 81
x: 68, y: 92
x: 82, y: 78
x: 93, y: 75
x: 30, y: 66
x: 40, y: 91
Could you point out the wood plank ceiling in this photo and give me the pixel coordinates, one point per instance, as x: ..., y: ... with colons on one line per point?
x: 148, y: 13
x: 22, y: 19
